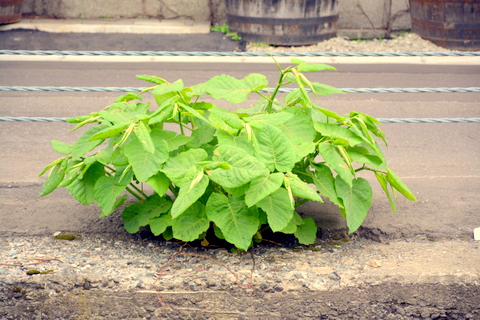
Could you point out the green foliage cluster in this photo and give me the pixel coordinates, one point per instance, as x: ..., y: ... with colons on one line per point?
x: 226, y: 30
x: 236, y: 173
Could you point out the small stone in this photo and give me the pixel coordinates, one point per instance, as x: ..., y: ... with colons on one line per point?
x: 193, y: 287
x: 211, y: 283
x: 374, y: 263
x: 264, y: 286
x: 422, y: 304
x: 67, y: 236
x: 425, y: 315
x: 3, y: 272
x: 334, y: 276
x: 139, y: 284
x: 278, y: 288
x: 12, y: 252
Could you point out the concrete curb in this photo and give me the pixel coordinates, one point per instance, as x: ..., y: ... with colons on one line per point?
x: 136, y: 26
x: 246, y: 59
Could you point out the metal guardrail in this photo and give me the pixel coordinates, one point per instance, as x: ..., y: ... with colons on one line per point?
x: 243, y: 54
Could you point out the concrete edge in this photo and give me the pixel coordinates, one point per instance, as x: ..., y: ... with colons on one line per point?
x: 214, y: 59
x: 132, y: 26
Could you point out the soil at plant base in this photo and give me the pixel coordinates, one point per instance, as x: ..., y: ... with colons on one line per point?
x: 122, y: 276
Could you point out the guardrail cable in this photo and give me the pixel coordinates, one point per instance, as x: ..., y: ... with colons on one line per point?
x: 383, y: 120
x: 238, y: 54
x: 282, y: 90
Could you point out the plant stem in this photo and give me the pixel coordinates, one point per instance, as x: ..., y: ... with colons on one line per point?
x: 139, y: 191
x: 181, y: 124
x: 272, y: 97
x: 299, y: 203
x: 134, y: 194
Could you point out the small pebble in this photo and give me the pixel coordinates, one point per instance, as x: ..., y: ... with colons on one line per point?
x: 334, y: 276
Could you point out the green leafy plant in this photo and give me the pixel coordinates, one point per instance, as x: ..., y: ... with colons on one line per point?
x: 235, y: 173
x: 226, y: 30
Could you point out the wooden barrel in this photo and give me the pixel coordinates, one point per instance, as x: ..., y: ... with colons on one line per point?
x: 10, y: 11
x: 283, y: 22
x: 452, y: 24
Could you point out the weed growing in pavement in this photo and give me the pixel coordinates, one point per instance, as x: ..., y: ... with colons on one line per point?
x: 236, y: 173
x: 226, y: 30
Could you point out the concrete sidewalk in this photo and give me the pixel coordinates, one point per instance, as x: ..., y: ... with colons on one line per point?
x: 135, y: 26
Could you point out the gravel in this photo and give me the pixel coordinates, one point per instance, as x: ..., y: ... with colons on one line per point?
x: 106, y: 267
x: 408, y: 42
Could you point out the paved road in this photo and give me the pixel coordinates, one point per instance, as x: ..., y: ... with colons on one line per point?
x: 440, y: 162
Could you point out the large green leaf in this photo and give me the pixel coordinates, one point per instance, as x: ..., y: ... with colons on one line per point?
x: 334, y: 131
x: 62, y: 147
x: 361, y: 155
x: 201, y: 136
x: 159, y: 225
x: 54, y: 178
x: 73, y: 172
x: 165, y: 88
x: 193, y: 187
x: 83, y: 189
x: 324, y: 89
x: 110, y: 131
x: 306, y: 233
x: 312, y: 67
x: 276, y: 150
x: 174, y: 140
x: 302, y: 189
x: 299, y: 130
x: 273, y: 119
x: 298, y: 126
x: 244, y: 167
x: 125, y: 112
x: 333, y: 158
x: 159, y: 182
x: 152, y: 79
x: 304, y: 66
x: 325, y: 183
x: 356, y: 199
x: 191, y: 224
x: 84, y: 145
x: 263, y: 186
x: 382, y: 180
x: 143, y: 136
x: 371, y: 124
x: 361, y: 129
x: 106, y: 191
x: 396, y: 183
x: 234, y: 90
x: 177, y: 167
x: 316, y: 111
x: 145, y: 164
x: 165, y: 109
x: 141, y: 213
x: 229, y: 117
x: 237, y: 223
x: 239, y: 141
x: 279, y: 209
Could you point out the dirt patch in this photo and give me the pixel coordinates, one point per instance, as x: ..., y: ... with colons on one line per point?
x: 394, y: 301
x: 129, y: 277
